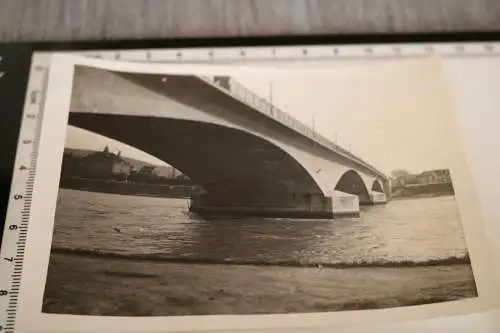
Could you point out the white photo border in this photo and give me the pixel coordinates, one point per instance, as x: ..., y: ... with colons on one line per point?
x: 57, y: 102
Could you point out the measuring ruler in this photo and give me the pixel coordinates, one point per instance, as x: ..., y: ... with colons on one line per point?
x: 306, y: 53
x: 18, y: 211
x: 18, y: 214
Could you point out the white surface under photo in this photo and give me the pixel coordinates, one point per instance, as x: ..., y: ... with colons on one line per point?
x: 222, y: 198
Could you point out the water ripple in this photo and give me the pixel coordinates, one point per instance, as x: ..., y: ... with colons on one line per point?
x: 416, y: 230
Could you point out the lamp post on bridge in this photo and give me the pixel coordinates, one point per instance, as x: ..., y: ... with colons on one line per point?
x: 313, y: 131
x: 271, y: 91
x: 271, y: 97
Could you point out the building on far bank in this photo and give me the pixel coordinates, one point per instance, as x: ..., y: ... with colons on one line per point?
x: 146, y: 171
x: 166, y: 172
x: 103, y: 165
x: 434, y: 177
x: 441, y: 176
x: 404, y: 180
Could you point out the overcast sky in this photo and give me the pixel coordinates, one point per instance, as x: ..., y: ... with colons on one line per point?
x: 391, y: 116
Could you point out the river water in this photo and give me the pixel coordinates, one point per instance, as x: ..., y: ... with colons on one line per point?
x: 403, y: 231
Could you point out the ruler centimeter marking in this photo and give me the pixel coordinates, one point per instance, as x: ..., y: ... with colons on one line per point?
x: 18, y: 213
x: 312, y: 52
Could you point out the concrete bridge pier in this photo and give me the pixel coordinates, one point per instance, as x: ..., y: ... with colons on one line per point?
x: 345, y: 204
x: 378, y: 198
x: 300, y: 206
x: 307, y: 206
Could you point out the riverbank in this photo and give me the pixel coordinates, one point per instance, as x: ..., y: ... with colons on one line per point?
x: 91, y: 285
x: 423, y: 190
x: 128, y: 188
x: 420, y: 196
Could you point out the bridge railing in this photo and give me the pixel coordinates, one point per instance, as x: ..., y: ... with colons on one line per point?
x: 260, y: 104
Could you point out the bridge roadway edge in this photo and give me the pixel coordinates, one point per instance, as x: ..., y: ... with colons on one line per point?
x: 200, y: 84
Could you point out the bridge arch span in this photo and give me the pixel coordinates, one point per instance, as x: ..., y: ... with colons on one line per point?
x: 235, y: 167
x: 352, y: 182
x: 377, y: 186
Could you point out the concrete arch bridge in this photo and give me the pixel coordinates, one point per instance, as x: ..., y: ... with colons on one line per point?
x: 250, y: 157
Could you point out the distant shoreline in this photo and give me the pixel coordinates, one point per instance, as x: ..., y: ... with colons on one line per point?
x: 421, y: 196
x: 128, y: 188
x: 423, y: 190
x: 173, y: 191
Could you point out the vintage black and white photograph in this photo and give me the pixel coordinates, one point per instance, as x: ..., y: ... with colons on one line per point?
x: 254, y: 194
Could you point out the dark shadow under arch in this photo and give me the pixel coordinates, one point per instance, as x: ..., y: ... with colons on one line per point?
x: 377, y: 187
x: 233, y: 165
x: 352, y: 183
